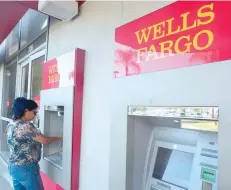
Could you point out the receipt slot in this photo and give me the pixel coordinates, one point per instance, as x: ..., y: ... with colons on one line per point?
x: 172, y: 148
x: 56, y: 119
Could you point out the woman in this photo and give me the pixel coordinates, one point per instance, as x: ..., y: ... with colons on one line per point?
x: 25, y: 143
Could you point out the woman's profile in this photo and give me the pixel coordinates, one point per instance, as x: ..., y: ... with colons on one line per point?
x: 25, y: 143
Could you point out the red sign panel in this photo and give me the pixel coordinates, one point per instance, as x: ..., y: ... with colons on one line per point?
x: 59, y: 72
x: 50, y: 75
x: 8, y: 103
x: 183, y: 34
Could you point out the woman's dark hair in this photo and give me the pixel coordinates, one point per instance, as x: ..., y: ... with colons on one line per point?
x: 20, y: 105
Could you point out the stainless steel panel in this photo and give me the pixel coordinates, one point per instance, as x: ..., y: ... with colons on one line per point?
x: 54, y: 122
x: 57, y: 161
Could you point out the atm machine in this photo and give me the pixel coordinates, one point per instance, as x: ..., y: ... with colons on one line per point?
x: 60, y: 114
x: 56, y: 119
x: 179, y: 164
x: 182, y: 155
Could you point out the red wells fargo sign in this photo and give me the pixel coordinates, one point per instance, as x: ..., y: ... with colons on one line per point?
x: 182, y: 34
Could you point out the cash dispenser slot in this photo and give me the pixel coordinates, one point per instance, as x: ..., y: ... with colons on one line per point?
x: 54, y: 121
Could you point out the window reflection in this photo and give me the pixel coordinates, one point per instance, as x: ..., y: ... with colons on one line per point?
x: 36, y: 87
x: 200, y: 125
x: 33, y: 25
x: 36, y: 83
x: 2, y: 51
x: 5, y: 153
x: 209, y: 113
x: 13, y: 42
x: 25, y: 74
x: 8, y: 96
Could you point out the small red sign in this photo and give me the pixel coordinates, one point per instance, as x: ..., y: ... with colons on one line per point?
x: 8, y: 102
x: 37, y: 100
x: 59, y: 72
x: 183, y: 34
x: 50, y: 75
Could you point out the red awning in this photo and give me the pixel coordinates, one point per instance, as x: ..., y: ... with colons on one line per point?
x: 11, y: 12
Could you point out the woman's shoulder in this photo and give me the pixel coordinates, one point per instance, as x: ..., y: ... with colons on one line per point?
x: 19, y: 124
x: 12, y: 124
x: 21, y: 129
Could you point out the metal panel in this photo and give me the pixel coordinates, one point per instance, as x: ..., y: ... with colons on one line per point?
x: 64, y: 97
x: 2, y: 52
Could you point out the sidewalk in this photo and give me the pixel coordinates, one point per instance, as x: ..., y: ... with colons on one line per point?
x: 4, y: 184
x: 5, y: 179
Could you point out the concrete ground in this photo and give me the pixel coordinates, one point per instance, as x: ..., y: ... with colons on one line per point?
x: 4, y: 184
x: 5, y: 179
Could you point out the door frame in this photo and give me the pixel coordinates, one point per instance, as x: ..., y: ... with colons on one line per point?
x: 20, y: 81
x: 29, y: 62
x: 31, y: 59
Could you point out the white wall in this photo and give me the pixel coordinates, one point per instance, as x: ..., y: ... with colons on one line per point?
x: 93, y: 31
x: 205, y: 85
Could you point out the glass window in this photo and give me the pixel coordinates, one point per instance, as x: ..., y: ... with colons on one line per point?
x: 9, y: 81
x: 12, y: 42
x: 36, y: 77
x: 5, y: 153
x: 25, y: 75
x: 33, y: 25
x: 36, y: 82
x: 2, y: 51
x: 201, y: 125
x: 38, y: 42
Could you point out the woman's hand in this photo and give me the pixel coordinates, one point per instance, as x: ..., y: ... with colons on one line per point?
x: 46, y: 140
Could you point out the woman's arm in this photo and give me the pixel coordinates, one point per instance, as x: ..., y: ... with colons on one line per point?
x: 46, y: 140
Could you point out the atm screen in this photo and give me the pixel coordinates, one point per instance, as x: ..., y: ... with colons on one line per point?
x: 173, y: 167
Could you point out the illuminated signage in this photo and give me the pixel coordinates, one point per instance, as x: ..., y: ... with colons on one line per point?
x: 183, y: 34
